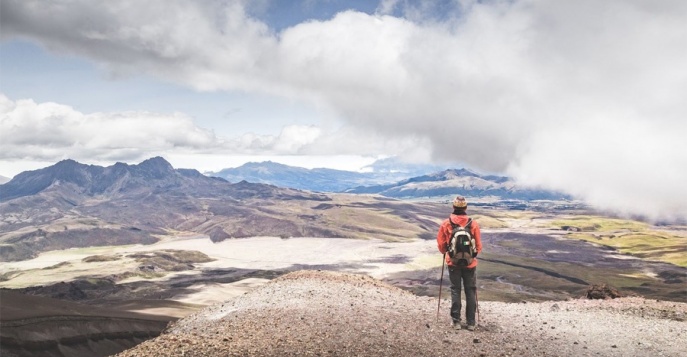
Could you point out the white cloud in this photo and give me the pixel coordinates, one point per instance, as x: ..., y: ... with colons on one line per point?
x: 626, y: 166
x: 34, y: 135
x: 500, y: 85
x: 290, y: 140
x: 51, y: 131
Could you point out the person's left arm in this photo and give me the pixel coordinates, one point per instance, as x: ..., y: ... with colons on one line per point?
x: 477, y: 234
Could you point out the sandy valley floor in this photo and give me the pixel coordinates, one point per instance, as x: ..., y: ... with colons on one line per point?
x: 373, y: 257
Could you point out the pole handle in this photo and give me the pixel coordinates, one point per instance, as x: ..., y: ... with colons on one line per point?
x: 441, y: 282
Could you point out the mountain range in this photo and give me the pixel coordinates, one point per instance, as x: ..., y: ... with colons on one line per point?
x: 388, y: 182
x: 460, y: 181
x: 384, y: 171
x: 319, y: 179
x: 120, y: 179
x: 71, y: 204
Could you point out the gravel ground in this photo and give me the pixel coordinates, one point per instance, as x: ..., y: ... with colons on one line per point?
x: 313, y: 313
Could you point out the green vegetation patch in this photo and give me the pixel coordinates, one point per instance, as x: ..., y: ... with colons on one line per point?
x: 677, y: 258
x: 599, y: 224
x: 489, y: 222
x: 653, y: 246
x: 379, y: 223
x: 510, y: 278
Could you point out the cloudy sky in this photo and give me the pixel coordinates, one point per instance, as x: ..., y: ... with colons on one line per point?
x: 584, y: 96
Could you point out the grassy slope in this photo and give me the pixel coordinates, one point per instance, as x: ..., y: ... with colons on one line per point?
x: 629, y: 237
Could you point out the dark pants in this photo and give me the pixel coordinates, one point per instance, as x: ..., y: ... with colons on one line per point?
x: 467, y: 276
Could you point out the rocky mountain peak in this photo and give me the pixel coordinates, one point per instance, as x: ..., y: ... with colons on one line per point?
x: 453, y: 173
x: 157, y: 162
x: 156, y: 167
x: 91, y: 179
x: 31, y: 182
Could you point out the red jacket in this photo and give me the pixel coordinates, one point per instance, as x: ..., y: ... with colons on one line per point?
x: 444, y: 236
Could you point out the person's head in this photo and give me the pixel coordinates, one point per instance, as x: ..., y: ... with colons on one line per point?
x: 460, y: 204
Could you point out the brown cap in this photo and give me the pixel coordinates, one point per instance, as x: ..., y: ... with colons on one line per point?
x: 460, y: 202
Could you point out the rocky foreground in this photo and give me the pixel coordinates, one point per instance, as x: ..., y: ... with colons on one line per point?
x: 313, y: 313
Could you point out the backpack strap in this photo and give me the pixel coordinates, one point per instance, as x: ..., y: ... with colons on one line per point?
x: 453, y: 225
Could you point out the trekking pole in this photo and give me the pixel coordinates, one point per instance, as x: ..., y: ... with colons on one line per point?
x: 441, y: 282
x: 477, y: 303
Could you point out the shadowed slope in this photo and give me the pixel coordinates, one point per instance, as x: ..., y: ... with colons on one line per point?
x: 38, y: 326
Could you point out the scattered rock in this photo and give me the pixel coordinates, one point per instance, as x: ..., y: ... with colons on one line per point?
x: 602, y: 291
x: 147, y: 268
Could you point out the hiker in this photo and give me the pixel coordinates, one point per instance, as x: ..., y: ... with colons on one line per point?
x: 461, y: 266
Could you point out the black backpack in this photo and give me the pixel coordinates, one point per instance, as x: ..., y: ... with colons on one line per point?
x: 461, y: 246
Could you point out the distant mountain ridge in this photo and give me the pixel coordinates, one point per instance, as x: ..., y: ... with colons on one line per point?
x: 389, y: 182
x: 268, y: 172
x: 459, y: 181
x: 322, y: 179
x: 97, y: 180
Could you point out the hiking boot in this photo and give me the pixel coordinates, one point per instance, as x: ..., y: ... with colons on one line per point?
x: 471, y: 327
x: 456, y: 325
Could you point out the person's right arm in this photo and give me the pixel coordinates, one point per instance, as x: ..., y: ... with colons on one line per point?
x: 442, y: 238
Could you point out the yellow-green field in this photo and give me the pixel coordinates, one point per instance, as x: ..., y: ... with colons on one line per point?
x: 600, y: 224
x: 648, y: 245
x: 489, y: 222
x: 629, y: 237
